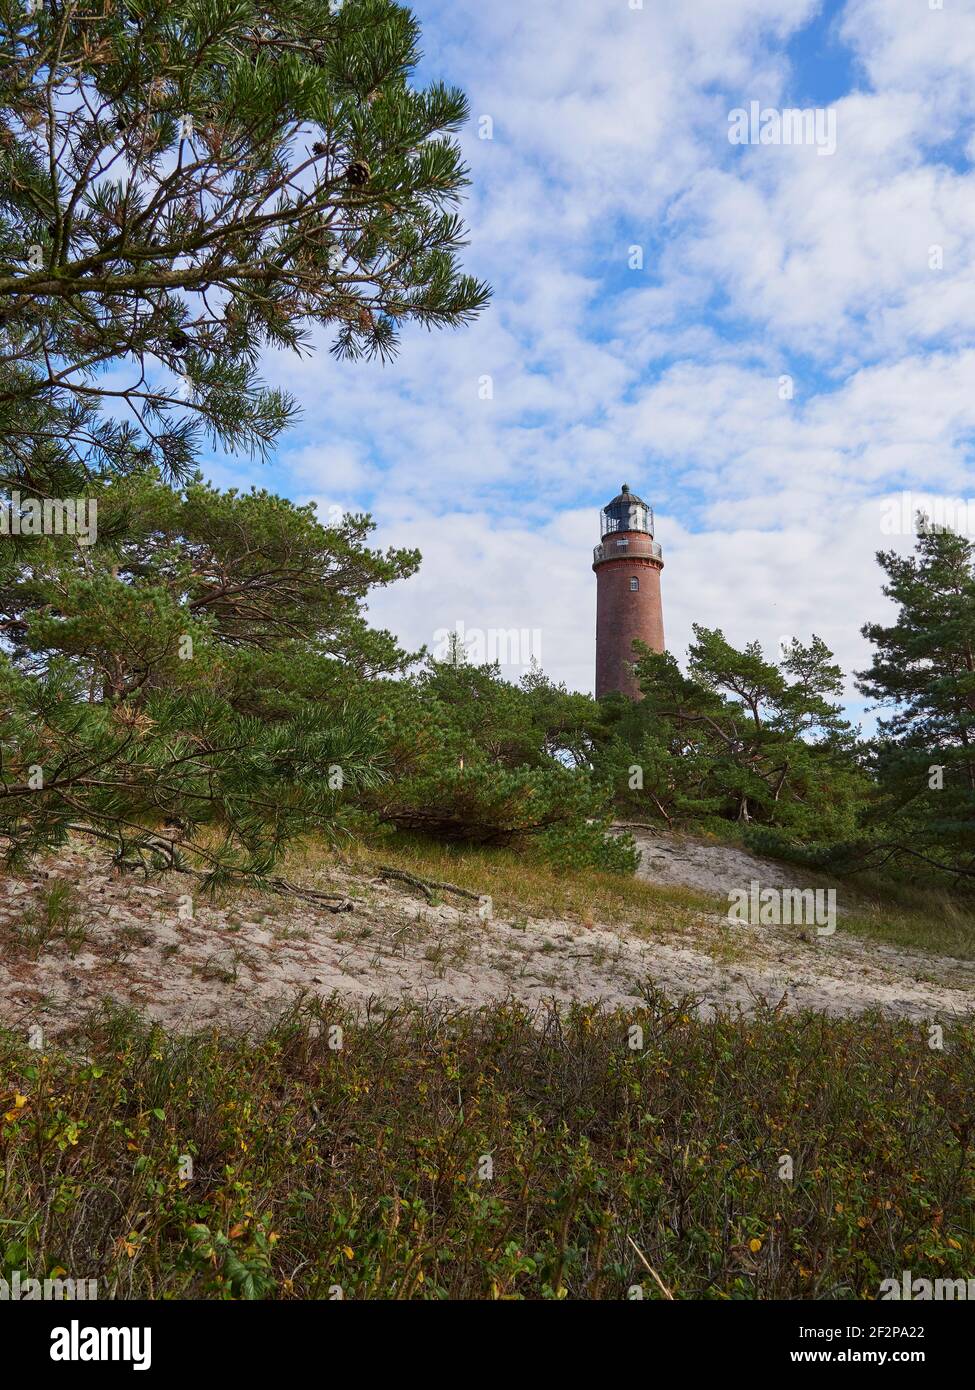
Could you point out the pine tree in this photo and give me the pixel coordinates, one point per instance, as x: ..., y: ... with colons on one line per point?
x: 195, y: 667
x: 475, y: 759
x: 183, y: 184
x: 924, y: 665
x: 742, y: 737
x: 186, y: 182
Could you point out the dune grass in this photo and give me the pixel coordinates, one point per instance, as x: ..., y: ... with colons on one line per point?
x: 920, y: 917
x: 519, y: 884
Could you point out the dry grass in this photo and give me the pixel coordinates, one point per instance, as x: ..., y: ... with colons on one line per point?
x: 921, y: 917
x: 519, y: 886
x: 910, y: 918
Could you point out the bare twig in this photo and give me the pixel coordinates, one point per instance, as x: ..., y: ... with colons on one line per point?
x: 663, y: 1287
x: 426, y: 885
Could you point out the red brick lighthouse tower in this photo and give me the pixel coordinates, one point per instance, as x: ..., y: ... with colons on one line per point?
x: 627, y: 562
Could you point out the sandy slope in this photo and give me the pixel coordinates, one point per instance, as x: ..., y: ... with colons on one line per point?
x: 235, y: 966
x: 713, y: 868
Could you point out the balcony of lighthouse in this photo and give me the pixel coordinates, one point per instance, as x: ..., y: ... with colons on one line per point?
x: 632, y: 546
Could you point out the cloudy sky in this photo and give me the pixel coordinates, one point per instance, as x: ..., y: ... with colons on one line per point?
x: 848, y: 273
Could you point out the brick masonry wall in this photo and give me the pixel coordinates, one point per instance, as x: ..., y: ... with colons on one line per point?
x: 622, y: 616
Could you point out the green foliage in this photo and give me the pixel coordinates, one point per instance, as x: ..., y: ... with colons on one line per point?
x: 479, y: 760
x: 205, y: 667
x: 228, y: 790
x: 738, y: 737
x: 583, y: 843
x: 831, y: 856
x: 193, y: 667
x: 184, y: 184
x: 247, y: 577
x: 308, y: 1175
x: 924, y: 665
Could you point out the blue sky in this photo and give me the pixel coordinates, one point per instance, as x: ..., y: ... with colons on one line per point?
x: 610, y: 130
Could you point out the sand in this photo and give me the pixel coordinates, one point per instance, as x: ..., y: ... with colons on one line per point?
x: 236, y: 967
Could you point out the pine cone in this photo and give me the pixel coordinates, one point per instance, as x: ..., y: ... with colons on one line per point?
x: 358, y: 173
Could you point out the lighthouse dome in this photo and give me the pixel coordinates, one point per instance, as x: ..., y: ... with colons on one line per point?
x: 627, y: 497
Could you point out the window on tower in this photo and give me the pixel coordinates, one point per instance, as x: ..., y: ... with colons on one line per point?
x: 634, y: 584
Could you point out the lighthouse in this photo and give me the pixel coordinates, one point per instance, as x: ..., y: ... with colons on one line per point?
x: 627, y: 562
